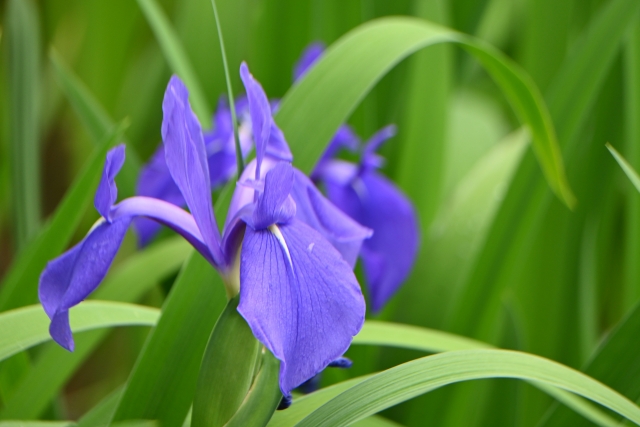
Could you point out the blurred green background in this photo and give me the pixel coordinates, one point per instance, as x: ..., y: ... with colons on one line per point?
x: 501, y: 258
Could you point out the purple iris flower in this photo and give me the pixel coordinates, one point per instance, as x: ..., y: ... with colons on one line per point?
x: 155, y: 179
x: 375, y: 202
x: 297, y: 291
x: 370, y: 199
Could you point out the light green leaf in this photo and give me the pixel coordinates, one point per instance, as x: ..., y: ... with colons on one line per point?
x: 227, y: 370
x: 163, y: 382
x: 176, y: 57
x: 350, y: 68
x: 29, y: 326
x: 126, y: 282
x: 420, y: 376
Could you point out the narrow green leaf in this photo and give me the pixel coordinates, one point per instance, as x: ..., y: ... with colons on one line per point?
x: 176, y: 57
x: 232, y: 105
x: 523, y: 210
x: 163, y: 382
x: 422, y: 339
x: 100, y: 414
x: 264, y: 396
x: 20, y: 285
x: 29, y: 326
x: 352, y: 66
x: 127, y: 282
x: 389, y: 334
x: 420, y: 376
x: 227, y: 370
x: 23, y: 79
x: 626, y: 167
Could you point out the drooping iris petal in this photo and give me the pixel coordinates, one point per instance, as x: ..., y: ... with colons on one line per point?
x: 299, y: 297
x: 312, y: 208
x: 69, y: 279
x: 155, y: 181
x: 274, y: 205
x: 311, y: 54
x: 107, y: 192
x: 187, y: 161
x: 260, y: 111
x: 389, y: 254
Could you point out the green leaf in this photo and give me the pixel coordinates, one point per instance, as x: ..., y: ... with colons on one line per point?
x: 20, y: 285
x: 126, y: 282
x: 352, y: 66
x: 626, y: 167
x: 176, y: 57
x: 523, y: 211
x: 23, y: 79
x: 406, y: 336
x: 29, y: 326
x: 227, y: 370
x: 264, y: 396
x: 420, y: 376
x: 163, y: 382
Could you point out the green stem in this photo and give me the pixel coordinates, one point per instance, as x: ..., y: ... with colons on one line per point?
x: 236, y: 137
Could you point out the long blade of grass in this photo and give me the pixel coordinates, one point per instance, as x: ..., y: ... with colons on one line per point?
x: 26, y: 327
x: 423, y: 375
x: 232, y: 105
x: 163, y: 382
x: 572, y: 94
x: 127, y: 282
x: 23, y: 75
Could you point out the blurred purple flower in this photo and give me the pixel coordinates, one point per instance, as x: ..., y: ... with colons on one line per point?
x: 375, y: 202
x: 297, y: 292
x: 370, y: 199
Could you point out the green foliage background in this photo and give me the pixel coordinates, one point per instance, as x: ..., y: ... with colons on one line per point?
x: 502, y: 259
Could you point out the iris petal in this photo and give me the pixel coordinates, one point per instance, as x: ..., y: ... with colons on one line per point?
x: 311, y: 54
x: 274, y: 206
x: 187, y: 161
x: 388, y: 256
x: 300, y: 298
x: 69, y: 279
x: 345, y: 234
x: 107, y: 192
x: 155, y: 181
x: 260, y: 111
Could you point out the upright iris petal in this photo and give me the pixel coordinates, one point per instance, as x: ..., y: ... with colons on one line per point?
x: 187, y: 161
